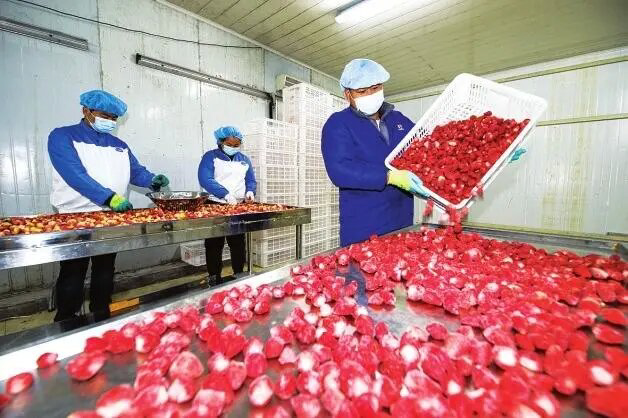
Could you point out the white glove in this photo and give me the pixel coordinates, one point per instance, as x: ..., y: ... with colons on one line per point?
x: 249, y: 197
x: 230, y: 199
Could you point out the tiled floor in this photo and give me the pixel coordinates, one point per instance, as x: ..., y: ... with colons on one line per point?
x: 11, y: 325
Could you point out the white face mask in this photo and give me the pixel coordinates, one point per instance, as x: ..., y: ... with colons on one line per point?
x: 370, y: 104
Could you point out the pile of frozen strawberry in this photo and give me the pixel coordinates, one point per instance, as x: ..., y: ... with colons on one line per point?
x: 452, y: 160
x: 534, y: 326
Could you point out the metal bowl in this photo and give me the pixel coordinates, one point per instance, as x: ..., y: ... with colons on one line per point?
x: 178, y: 200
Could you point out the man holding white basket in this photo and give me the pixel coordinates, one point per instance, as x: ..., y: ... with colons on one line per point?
x: 355, y: 143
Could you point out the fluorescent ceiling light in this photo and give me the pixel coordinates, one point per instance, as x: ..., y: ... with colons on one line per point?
x: 366, y: 9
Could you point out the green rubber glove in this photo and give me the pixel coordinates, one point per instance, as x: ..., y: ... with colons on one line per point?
x: 158, y: 182
x: 517, y: 154
x: 407, y: 181
x: 119, y: 203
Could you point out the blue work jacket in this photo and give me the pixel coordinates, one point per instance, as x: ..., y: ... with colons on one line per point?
x: 354, y: 150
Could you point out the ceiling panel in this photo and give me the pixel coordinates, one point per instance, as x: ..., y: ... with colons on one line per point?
x: 426, y: 42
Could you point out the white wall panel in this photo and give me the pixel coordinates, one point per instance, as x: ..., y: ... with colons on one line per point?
x: 574, y: 176
x: 275, y: 65
x: 326, y: 82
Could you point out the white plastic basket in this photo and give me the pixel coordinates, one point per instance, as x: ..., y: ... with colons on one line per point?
x: 315, y: 247
x: 274, y: 258
x: 269, y: 188
x: 263, y: 158
x: 338, y: 103
x: 316, y: 174
x: 469, y: 95
x: 306, y: 105
x: 269, y: 143
x: 275, y: 172
x: 274, y: 233
x: 275, y: 244
x: 310, y: 147
x: 272, y: 128
x: 193, y: 253
x: 279, y: 198
x: 317, y: 223
x: 313, y: 199
x: 311, y: 160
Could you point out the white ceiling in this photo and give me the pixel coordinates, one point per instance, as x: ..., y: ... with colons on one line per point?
x: 426, y: 42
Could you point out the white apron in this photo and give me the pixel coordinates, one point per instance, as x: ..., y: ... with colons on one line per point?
x: 231, y: 174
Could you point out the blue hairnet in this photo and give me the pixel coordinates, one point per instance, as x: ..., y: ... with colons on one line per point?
x: 361, y: 72
x: 103, y: 101
x: 227, y: 131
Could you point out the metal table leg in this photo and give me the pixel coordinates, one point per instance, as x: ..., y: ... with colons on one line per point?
x: 299, y: 246
x: 249, y: 253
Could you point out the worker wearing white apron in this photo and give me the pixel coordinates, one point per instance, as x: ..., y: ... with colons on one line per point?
x: 92, y: 170
x: 227, y: 175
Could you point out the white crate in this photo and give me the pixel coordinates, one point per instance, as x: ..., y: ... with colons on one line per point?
x: 334, y: 196
x: 334, y: 210
x: 271, y: 128
x: 254, y: 142
x: 313, y: 186
x: 306, y: 105
x: 315, y: 235
x: 334, y: 222
x: 313, y: 174
x: 274, y: 233
x: 193, y: 253
x: 273, y: 258
x: 313, y: 199
x: 334, y: 242
x: 275, y: 172
x: 313, y: 135
x: 266, y: 158
x: 269, y: 245
x: 334, y: 232
x: 277, y: 187
x: 319, y: 211
x: 469, y: 95
x: 317, y: 223
x: 310, y: 148
x: 311, y: 160
x: 315, y: 248
x: 279, y: 198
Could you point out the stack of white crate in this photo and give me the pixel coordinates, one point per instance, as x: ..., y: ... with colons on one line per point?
x: 309, y: 107
x: 272, y: 147
x: 337, y: 104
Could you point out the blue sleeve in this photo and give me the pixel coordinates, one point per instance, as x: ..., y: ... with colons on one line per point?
x: 249, y: 180
x: 206, y: 177
x: 140, y: 176
x: 342, y: 167
x: 68, y: 164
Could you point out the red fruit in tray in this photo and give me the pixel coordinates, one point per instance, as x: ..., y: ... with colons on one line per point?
x: 332, y: 400
x: 610, y: 401
x: 182, y: 390
x: 309, y: 382
x: 262, y: 307
x: 498, y: 336
x: 617, y: 357
x: 276, y: 411
x: 218, y: 363
x: 419, y: 383
x: 547, y: 403
x: 176, y: 339
x: 368, y: 266
x: 130, y: 330
x: 242, y: 315
x: 578, y: 341
x: 85, y: 365
x: 19, y: 383
x: 146, y: 341
x: 186, y: 366
x: 414, y: 336
x: 307, y: 361
x: 148, y: 377
x: 531, y: 361
x: 236, y: 374
x: 305, y: 406
x: 505, y: 357
x: 95, y: 344
x: 306, y: 334
x: 151, y: 397
x: 286, y: 385
x: 117, y: 342
x: 255, y: 364
x: 282, y: 332
x: 437, y: 331
x: 410, y: 355
x: 254, y: 345
x: 601, y: 373
x: 47, y: 360
x: 116, y: 402
x: 219, y: 382
x: 287, y: 356
x: 429, y: 207
x: 260, y: 391
x: 614, y: 316
x: 607, y: 334
x: 209, y: 402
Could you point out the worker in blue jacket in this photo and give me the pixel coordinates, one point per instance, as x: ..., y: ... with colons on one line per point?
x: 227, y: 175
x: 92, y: 170
x: 355, y: 143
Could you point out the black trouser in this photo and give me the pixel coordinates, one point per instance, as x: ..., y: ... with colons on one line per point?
x: 69, y: 287
x: 213, y: 254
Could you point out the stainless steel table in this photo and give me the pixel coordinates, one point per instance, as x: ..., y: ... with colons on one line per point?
x: 55, y: 394
x: 28, y: 250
